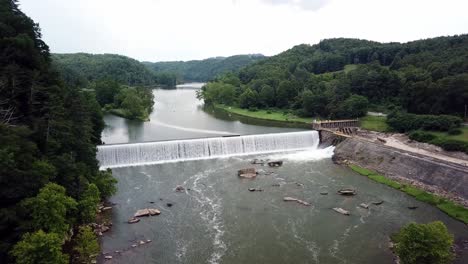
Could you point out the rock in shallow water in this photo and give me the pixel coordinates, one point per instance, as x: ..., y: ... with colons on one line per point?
x: 147, y: 212
x: 341, y: 211
x: 291, y: 199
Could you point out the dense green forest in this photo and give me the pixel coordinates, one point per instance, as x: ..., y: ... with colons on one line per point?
x: 203, y: 70
x: 80, y: 69
x: 126, y: 101
x: 344, y: 78
x: 49, y: 178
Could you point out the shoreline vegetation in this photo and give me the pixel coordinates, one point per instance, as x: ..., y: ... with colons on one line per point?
x: 452, y: 209
x: 274, y: 115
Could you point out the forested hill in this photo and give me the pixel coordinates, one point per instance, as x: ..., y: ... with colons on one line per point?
x: 342, y: 77
x: 80, y: 69
x: 49, y: 178
x: 203, y: 70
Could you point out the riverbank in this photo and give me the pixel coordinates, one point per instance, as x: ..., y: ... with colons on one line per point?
x: 437, y: 181
x: 450, y: 208
x: 277, y: 116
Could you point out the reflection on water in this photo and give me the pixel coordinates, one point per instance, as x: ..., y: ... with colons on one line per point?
x: 178, y: 114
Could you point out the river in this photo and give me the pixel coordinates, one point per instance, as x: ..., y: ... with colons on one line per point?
x: 218, y: 220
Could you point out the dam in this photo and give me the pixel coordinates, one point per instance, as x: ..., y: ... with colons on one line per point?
x: 134, y: 154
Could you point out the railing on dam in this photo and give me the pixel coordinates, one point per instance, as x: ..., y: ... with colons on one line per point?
x: 335, y: 124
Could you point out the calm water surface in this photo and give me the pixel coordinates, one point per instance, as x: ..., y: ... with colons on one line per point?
x: 219, y: 221
x: 178, y: 114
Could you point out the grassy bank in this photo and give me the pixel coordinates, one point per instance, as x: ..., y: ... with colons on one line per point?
x: 452, y: 209
x: 273, y: 115
x: 374, y: 123
x: 462, y: 137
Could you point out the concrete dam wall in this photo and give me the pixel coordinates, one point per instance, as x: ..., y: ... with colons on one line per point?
x: 432, y: 173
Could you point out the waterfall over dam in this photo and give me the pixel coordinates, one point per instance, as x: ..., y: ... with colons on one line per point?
x: 134, y: 154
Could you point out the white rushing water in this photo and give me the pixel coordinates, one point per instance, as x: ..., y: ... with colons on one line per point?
x: 122, y: 155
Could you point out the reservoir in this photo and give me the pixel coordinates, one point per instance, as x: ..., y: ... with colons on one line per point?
x: 216, y: 219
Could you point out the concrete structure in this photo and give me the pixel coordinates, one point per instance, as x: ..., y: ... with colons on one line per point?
x: 435, y: 175
x: 335, y: 124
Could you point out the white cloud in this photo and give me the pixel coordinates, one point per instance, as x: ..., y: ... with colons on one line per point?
x: 305, y: 4
x: 158, y: 30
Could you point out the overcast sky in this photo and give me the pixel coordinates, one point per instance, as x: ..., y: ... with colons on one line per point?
x: 164, y: 30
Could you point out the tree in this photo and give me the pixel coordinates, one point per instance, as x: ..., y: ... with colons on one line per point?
x: 424, y: 243
x: 88, y: 203
x: 267, y: 96
x: 314, y: 104
x: 50, y: 210
x: 40, y: 248
x: 105, y: 91
x: 248, y: 99
x: 86, y: 245
x: 105, y: 183
x: 356, y: 106
x: 286, y: 92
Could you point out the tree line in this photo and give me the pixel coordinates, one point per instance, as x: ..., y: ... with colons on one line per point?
x: 342, y: 78
x: 50, y: 183
x: 202, y: 70
x: 82, y: 69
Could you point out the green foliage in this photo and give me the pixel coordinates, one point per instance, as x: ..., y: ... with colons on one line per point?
x: 423, y: 77
x: 424, y: 243
x: 404, y: 122
x: 203, y: 70
x: 87, y: 205
x: 48, y: 135
x: 105, y: 183
x: 452, y: 209
x: 40, y: 248
x: 443, y: 142
x: 421, y: 136
x: 354, y: 106
x: 454, y: 131
x: 248, y: 99
x: 134, y: 102
x: 374, y: 123
x: 51, y: 209
x: 80, y: 69
x: 106, y: 90
x: 86, y: 245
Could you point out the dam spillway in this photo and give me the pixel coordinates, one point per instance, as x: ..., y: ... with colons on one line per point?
x: 134, y: 154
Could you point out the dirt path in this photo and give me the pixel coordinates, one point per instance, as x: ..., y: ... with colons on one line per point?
x: 392, y: 142
x: 401, y: 141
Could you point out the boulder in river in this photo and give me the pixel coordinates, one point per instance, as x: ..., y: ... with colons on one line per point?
x: 365, y: 206
x: 255, y: 189
x: 276, y: 163
x: 147, y: 212
x: 377, y: 202
x: 258, y: 161
x: 248, y: 173
x: 179, y: 188
x: 347, y: 191
x: 291, y: 199
x: 133, y: 220
x: 341, y: 211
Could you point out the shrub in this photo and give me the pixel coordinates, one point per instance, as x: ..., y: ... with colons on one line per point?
x: 404, y: 122
x: 424, y: 243
x: 454, y: 131
x: 86, y: 245
x: 421, y: 136
x: 452, y: 144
